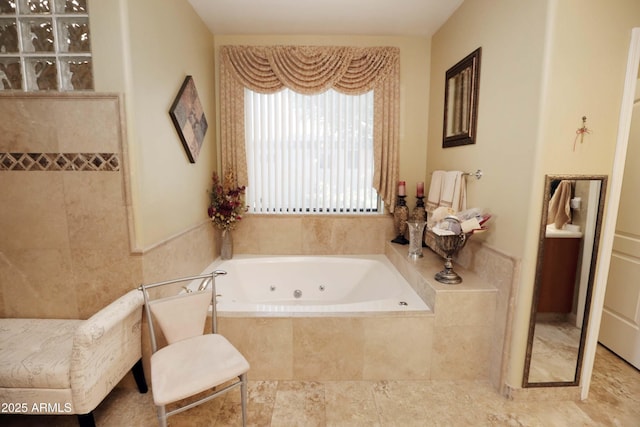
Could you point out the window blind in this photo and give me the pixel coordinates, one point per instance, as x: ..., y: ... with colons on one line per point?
x: 309, y: 153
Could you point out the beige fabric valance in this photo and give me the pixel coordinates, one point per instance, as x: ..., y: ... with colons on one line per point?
x: 311, y: 70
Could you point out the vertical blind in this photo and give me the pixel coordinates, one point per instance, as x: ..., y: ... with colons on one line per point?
x: 309, y: 153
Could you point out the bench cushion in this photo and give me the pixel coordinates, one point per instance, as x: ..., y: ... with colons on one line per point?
x: 36, y: 353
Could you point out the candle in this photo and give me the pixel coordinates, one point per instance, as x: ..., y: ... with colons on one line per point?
x: 420, y: 191
x: 402, y: 188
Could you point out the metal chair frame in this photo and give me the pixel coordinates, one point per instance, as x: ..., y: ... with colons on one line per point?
x: 205, y: 281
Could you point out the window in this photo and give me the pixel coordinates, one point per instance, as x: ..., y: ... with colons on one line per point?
x: 312, y: 70
x: 310, y: 153
x: 45, y: 45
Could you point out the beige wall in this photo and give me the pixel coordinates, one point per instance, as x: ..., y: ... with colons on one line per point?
x: 587, y: 47
x: 544, y: 66
x: 145, y: 49
x: 511, y: 35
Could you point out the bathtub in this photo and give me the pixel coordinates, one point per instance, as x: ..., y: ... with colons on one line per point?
x: 307, y: 285
x: 291, y: 315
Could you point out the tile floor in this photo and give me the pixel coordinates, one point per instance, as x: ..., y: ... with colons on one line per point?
x: 614, y: 400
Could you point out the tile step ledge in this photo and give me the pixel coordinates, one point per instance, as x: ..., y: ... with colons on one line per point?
x: 420, y: 274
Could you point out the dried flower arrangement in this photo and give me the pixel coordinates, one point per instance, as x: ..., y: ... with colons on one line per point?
x: 227, y: 202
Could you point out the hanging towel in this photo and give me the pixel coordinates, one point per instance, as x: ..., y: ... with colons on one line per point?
x: 454, y: 191
x: 559, y: 205
x: 435, y: 189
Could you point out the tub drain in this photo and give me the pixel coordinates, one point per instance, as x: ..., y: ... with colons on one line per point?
x: 297, y: 293
x: 403, y: 303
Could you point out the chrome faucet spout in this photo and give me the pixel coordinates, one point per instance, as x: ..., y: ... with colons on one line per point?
x: 204, y: 284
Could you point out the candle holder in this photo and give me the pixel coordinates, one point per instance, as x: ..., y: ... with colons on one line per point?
x: 420, y: 214
x: 400, y: 217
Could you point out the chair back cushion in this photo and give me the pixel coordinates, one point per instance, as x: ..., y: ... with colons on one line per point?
x: 182, y: 316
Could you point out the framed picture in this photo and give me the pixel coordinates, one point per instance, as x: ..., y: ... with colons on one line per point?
x: 461, y: 101
x: 189, y: 119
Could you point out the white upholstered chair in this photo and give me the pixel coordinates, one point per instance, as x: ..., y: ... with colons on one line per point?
x: 192, y: 362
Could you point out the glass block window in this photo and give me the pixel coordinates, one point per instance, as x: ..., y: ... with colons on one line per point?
x: 45, y: 45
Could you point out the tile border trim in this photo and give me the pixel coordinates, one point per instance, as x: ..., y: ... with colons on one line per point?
x: 48, y: 162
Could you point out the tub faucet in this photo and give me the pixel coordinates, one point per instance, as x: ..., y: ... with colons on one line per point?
x: 204, y: 284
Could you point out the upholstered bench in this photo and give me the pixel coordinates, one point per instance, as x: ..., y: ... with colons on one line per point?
x: 59, y: 366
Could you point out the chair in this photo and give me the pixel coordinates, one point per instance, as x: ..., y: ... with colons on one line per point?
x: 192, y: 362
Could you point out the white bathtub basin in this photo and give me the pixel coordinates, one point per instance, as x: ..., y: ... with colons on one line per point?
x: 313, y: 284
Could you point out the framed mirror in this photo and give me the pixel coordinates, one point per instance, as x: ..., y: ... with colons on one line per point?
x: 461, y: 101
x: 567, y: 250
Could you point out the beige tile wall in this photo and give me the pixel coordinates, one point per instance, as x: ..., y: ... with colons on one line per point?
x: 65, y: 239
x: 359, y: 347
x: 65, y: 247
x: 501, y: 271
x: 312, y: 234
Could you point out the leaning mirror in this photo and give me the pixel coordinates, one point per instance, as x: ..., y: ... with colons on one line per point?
x: 461, y: 101
x: 567, y: 250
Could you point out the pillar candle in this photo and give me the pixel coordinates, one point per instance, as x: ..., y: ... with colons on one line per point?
x: 420, y: 191
x: 402, y: 188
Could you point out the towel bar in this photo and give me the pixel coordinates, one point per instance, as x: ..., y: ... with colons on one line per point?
x: 477, y: 174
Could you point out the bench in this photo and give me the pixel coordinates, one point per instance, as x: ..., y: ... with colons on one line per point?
x: 68, y: 366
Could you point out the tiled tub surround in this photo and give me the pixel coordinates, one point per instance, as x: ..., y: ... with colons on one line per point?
x: 452, y: 342
x: 471, y: 317
x: 326, y: 345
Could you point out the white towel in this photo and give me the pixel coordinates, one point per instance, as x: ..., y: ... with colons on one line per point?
x: 435, y: 190
x: 559, y: 212
x: 454, y: 191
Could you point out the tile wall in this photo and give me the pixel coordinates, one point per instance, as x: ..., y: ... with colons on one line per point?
x: 65, y: 247
x: 65, y: 240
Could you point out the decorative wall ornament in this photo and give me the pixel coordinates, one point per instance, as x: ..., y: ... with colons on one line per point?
x: 580, y: 132
x: 189, y: 119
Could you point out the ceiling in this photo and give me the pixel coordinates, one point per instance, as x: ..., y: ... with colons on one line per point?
x: 331, y: 17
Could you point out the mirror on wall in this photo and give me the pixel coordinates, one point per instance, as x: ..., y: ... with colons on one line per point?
x: 568, y: 246
x: 461, y: 101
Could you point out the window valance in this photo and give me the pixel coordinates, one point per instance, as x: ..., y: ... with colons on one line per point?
x: 310, y: 70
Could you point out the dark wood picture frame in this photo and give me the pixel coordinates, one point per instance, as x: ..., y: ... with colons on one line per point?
x: 461, y: 101
x: 189, y: 119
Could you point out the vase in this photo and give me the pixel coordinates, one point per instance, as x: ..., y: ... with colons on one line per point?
x: 416, y: 230
x: 226, y: 251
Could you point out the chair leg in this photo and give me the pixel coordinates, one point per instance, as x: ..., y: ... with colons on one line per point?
x: 162, y: 416
x: 138, y: 375
x: 243, y: 396
x: 86, y: 420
